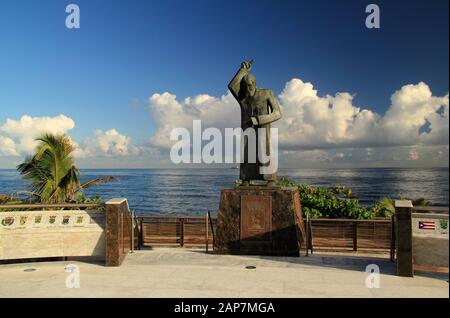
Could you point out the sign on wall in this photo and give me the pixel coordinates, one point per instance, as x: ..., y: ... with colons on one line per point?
x: 51, y: 219
x: 430, y: 224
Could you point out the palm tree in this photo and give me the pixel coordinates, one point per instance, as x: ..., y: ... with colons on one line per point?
x: 421, y: 202
x: 384, y: 207
x: 51, y: 171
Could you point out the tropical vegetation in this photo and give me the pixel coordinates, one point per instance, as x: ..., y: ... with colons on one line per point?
x: 342, y: 202
x: 52, y: 175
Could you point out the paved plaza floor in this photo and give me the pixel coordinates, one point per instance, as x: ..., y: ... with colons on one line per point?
x: 176, y: 272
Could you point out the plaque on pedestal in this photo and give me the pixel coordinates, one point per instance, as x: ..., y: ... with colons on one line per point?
x: 256, y: 218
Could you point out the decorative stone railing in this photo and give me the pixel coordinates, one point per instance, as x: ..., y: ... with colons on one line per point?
x: 66, y: 230
x: 422, y: 238
x: 430, y: 240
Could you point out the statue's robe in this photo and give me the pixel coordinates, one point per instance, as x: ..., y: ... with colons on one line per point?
x: 264, y: 106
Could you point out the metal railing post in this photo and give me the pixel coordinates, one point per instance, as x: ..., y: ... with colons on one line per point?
x: 355, y: 236
x: 212, y: 227
x: 181, y: 232
x: 141, y: 232
x: 206, y: 232
x: 307, y: 235
x: 132, y: 231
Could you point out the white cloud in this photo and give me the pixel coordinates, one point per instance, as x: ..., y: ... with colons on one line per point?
x: 17, y: 137
x: 413, y: 154
x: 23, y: 132
x: 108, y: 143
x: 7, y: 147
x: 168, y: 113
x: 312, y: 122
x: 402, y: 156
x: 316, y: 155
x: 412, y: 107
x: 316, y: 129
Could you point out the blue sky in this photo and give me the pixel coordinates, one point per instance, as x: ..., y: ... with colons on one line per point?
x: 129, y: 50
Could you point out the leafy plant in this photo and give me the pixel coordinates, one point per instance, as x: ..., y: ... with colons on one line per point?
x: 384, y: 207
x: 340, y: 202
x: 343, y: 190
x: 240, y: 183
x: 4, y: 198
x: 51, y: 172
x: 9, y: 199
x: 421, y: 202
x: 82, y: 199
x: 284, y: 182
x: 324, y: 203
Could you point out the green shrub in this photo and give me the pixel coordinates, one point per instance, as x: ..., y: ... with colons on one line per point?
x: 340, y: 202
x: 322, y: 202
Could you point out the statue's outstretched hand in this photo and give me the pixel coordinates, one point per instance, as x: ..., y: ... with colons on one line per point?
x: 247, y: 65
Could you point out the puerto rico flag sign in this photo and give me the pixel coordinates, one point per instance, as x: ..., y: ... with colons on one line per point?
x: 427, y: 225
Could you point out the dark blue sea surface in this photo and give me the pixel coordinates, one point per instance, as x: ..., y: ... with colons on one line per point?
x: 194, y: 191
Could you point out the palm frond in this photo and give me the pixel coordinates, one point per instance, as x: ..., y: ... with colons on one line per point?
x: 27, y: 193
x: 51, y: 173
x: 97, y: 181
x: 421, y: 202
x: 387, y: 204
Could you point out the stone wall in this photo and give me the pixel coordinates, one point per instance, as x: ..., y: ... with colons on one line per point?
x: 58, y: 233
x: 430, y: 239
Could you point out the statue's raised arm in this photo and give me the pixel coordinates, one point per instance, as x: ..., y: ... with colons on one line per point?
x: 235, y: 85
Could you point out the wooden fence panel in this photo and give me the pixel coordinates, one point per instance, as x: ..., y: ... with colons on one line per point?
x: 326, y: 233
x: 374, y: 235
x: 176, y: 230
x: 332, y: 234
x: 161, y: 232
x: 341, y: 234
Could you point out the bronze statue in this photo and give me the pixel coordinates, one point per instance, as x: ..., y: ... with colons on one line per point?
x: 259, y: 108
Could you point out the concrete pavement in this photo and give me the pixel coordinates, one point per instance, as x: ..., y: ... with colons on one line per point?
x: 175, y: 272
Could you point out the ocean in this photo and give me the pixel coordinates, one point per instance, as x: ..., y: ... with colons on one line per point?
x: 195, y: 191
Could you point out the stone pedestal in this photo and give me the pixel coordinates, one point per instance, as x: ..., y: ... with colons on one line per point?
x: 260, y: 221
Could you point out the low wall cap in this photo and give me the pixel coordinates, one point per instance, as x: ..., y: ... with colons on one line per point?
x: 403, y: 204
x: 116, y: 200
